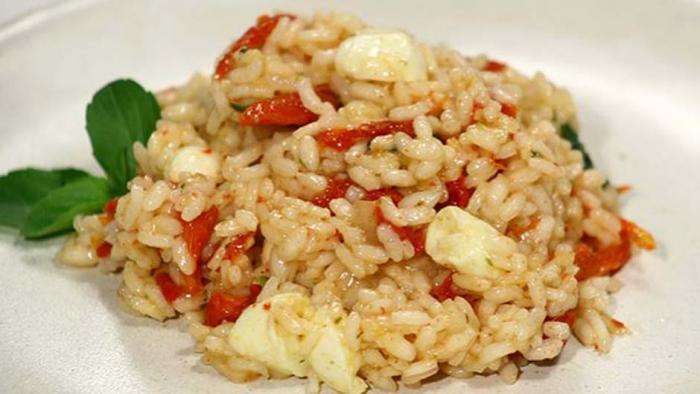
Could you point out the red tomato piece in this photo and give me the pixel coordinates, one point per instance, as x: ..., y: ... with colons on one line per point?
x: 569, y: 317
x: 255, y: 290
x: 198, y: 232
x: 639, y: 237
x: 191, y: 285
x: 595, y: 260
x: 111, y: 207
x: 238, y: 245
x: 416, y: 236
x: 444, y: 290
x: 391, y: 192
x: 448, y: 290
x: 336, y: 188
x: 284, y: 109
x: 509, y: 110
x: 457, y: 193
x: 223, y: 307
x: 622, y: 189
x: 342, y: 139
x: 171, y: 291
x: 494, y: 66
x: 254, y: 38
x: 104, y: 250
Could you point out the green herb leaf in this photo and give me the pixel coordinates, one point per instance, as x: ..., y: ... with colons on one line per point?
x: 568, y: 133
x: 20, y: 189
x: 239, y: 107
x: 54, y: 212
x: 120, y: 114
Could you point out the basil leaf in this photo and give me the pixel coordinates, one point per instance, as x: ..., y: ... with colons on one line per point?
x: 54, y: 213
x: 119, y: 115
x: 20, y: 189
x: 568, y: 133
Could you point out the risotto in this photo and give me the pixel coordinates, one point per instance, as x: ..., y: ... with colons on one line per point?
x: 349, y: 205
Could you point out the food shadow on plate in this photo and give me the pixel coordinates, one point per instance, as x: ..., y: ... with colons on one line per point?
x: 153, y: 348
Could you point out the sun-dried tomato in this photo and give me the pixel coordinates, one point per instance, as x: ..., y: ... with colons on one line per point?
x: 343, y: 139
x: 284, y: 109
x: 254, y: 38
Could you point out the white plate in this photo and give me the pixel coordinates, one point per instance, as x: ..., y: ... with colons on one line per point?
x: 632, y: 67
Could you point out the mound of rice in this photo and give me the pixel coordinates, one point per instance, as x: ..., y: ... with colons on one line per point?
x: 232, y: 208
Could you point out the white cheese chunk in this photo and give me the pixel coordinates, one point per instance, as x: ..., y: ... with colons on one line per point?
x: 381, y: 55
x: 193, y: 160
x: 332, y: 359
x: 465, y: 243
x: 257, y: 336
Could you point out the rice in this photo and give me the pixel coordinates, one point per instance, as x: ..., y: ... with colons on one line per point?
x: 353, y: 252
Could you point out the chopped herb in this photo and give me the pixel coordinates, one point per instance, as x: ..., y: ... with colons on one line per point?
x: 261, y: 280
x: 535, y: 153
x: 239, y: 107
x: 606, y: 184
x: 568, y: 133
